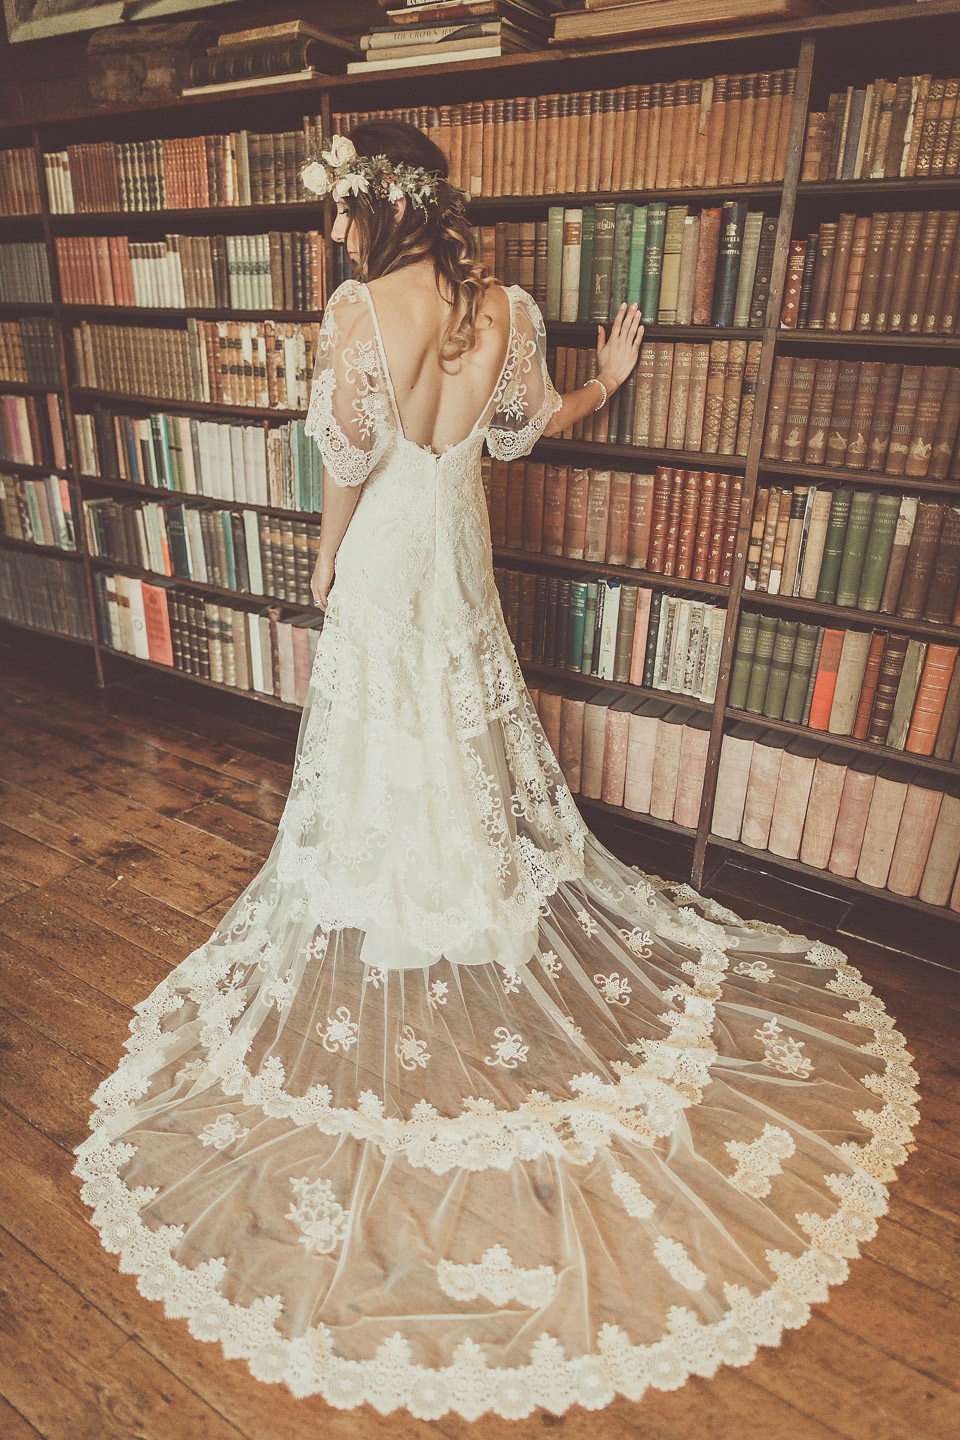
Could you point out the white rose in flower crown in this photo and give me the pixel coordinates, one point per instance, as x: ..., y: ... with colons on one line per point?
x: 341, y: 151
x: 395, y: 191
x: 349, y: 185
x: 315, y: 178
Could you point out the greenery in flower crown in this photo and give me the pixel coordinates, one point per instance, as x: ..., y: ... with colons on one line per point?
x: 339, y: 171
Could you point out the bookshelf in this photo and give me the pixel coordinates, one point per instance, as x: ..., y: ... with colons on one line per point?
x: 827, y: 54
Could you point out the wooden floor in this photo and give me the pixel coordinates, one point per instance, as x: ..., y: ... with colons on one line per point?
x: 128, y: 823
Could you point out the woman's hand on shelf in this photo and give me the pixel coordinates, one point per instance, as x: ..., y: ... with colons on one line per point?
x: 617, y: 355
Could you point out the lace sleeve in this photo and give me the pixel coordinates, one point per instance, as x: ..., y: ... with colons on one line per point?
x: 527, y: 397
x: 349, y: 413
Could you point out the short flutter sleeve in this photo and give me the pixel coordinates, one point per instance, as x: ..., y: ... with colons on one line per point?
x: 526, y: 397
x: 349, y: 415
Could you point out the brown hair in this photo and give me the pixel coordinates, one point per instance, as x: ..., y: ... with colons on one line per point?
x: 440, y: 230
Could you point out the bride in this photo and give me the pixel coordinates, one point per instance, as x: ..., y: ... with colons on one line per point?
x: 454, y: 1110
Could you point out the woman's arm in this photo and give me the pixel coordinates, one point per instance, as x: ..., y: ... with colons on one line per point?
x: 616, y: 358
x: 339, y: 503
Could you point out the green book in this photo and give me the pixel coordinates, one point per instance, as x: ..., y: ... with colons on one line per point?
x: 578, y: 606
x: 626, y: 623
x: 622, y: 247
x: 650, y: 658
x: 174, y: 454
x: 733, y: 216
x: 638, y: 245
x: 800, y: 664
x: 743, y: 659
x: 883, y: 527
x: 670, y: 268
x: 781, y: 663
x: 653, y: 260
x: 586, y: 262
x: 855, y: 546
x: 551, y: 310
x: 833, y: 546
x: 601, y: 264
x: 589, y: 627
x: 760, y: 669
x: 227, y: 528
x: 812, y: 677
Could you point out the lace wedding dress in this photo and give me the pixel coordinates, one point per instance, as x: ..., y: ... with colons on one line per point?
x: 454, y: 1110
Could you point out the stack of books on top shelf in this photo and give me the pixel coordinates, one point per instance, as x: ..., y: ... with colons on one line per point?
x: 268, y: 55
x: 448, y: 30
x: 609, y: 19
x: 889, y: 128
x: 883, y: 823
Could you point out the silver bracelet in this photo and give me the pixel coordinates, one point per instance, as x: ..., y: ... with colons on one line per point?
x: 595, y: 381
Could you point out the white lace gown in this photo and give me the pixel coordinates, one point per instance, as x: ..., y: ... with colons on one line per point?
x: 454, y: 1110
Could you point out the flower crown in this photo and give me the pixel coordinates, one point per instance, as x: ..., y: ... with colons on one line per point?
x: 340, y: 171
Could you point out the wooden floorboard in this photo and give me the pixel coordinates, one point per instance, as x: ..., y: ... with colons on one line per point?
x: 128, y: 824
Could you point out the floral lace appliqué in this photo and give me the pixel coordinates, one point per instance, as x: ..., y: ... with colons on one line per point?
x: 497, y: 1279
x: 321, y: 1221
x: 783, y: 1052
x: 758, y: 1159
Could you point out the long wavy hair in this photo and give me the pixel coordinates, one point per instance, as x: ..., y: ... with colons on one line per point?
x: 440, y: 231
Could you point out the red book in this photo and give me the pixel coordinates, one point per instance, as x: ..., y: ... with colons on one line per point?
x: 660, y: 517
x: 731, y: 527
x: 157, y: 620
x: 826, y: 681
x: 641, y: 514
x: 868, y: 688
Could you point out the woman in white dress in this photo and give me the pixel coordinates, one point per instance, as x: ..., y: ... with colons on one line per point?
x: 454, y: 1110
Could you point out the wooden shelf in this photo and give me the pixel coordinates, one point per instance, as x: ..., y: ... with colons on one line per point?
x: 852, y: 618
x: 845, y: 742
x: 32, y: 471
x: 220, y: 592
x: 830, y: 474
x: 598, y: 568
x: 16, y: 308
x: 9, y: 542
x: 256, y: 695
x: 598, y: 451
x: 867, y: 338
x: 560, y: 672
x: 760, y: 191
x: 136, y: 313
x: 28, y: 387
x: 48, y: 634
x: 781, y: 862
x: 585, y: 331
x: 670, y: 826
x: 73, y: 221
x: 128, y: 490
x: 205, y: 407
x: 902, y: 185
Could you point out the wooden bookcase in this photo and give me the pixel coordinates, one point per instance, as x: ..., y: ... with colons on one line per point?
x: 829, y: 53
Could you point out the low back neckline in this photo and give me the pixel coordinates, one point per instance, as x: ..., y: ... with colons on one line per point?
x: 488, y: 408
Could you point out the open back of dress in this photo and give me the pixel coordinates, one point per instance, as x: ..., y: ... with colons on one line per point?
x: 455, y: 1110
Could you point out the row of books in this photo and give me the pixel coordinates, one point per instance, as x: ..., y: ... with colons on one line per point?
x: 33, y: 430
x: 242, y: 550
x: 255, y: 464
x: 889, y: 128
x: 892, y: 272
x: 697, y: 397
x: 195, y: 172
x: 38, y: 511
x: 865, y: 548
x: 875, y: 685
x: 725, y: 130
x: 24, y: 274
x: 680, y: 523
x: 484, y: 35
x: 885, y: 824
x: 19, y: 190
x: 44, y: 593
x: 28, y: 351
x: 644, y: 755
x: 259, y: 650
x: 614, y: 630
x: 279, y: 270
x: 709, y: 267
x: 866, y: 415
x: 267, y: 363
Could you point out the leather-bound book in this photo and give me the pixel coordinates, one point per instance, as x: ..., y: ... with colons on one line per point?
x: 777, y: 406
x: 619, y: 518
x: 718, y: 529
x: 550, y: 650
x: 821, y: 410
x: 928, y: 129
x: 641, y: 632
x: 594, y: 739
x: 941, y: 600
x: 933, y: 320
x: 850, y: 676
x: 918, y: 571
x: 748, y: 396
x: 644, y: 98
x: 888, y: 271
x: 731, y: 127
x: 736, y: 753
x: 922, y: 271
x: 604, y: 229
x: 806, y: 283
x: 732, y: 388
x: 933, y: 388
x: 570, y: 753
x: 888, y: 683
x: 823, y: 808
x: 540, y: 620
x: 644, y: 396
x: 781, y: 661
x: 825, y: 683
x: 626, y: 623
x: 575, y: 524
x: 620, y: 270
x: 858, y: 787
x: 598, y: 515
x: 714, y: 131
x: 906, y: 693
x: 617, y: 730
x: 872, y: 266
x: 653, y: 260
x: 838, y: 435
x: 533, y: 505
x: 570, y: 264
x: 641, y: 748
x: 679, y: 395
x: 799, y: 404
x: 838, y: 274
x: 707, y: 485
x: 670, y: 267
x: 793, y: 794
x: 928, y: 706
x: 743, y: 657
x: 762, y: 659
x: 823, y: 270
x: 673, y: 523
x: 782, y: 86
x: 949, y: 728
x: 792, y: 284
x: 554, y: 508
x: 694, y: 740
x: 660, y: 394
x: 625, y: 158
x: 943, y: 858
x: 733, y: 216
x: 948, y: 116
x: 790, y: 569
x: 641, y: 513
x: 745, y: 129
x: 861, y: 418
x: 697, y: 396
x: 944, y: 438
x: 660, y: 177
x: 854, y: 278
x: 833, y: 546
x: 731, y: 528
x: 883, y: 822
x: 762, y: 784
x: 746, y: 275
x: 854, y: 547
x: 878, y: 551
x: 706, y: 270
x: 868, y: 686
x: 666, y: 761
x: 660, y: 517
x: 883, y: 410
x: 713, y: 405
x: 686, y: 283
x: 776, y: 502
x: 759, y: 297
x: 587, y: 228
